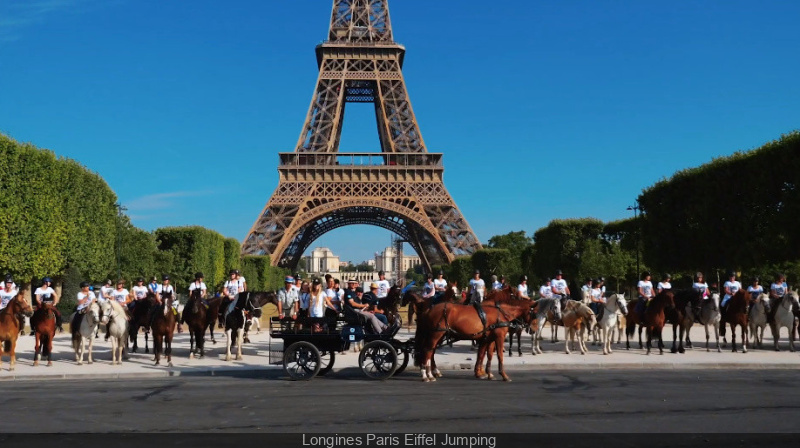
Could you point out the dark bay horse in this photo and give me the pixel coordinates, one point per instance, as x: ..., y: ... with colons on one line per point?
x: 43, y: 322
x: 655, y: 317
x: 196, y: 319
x: 140, y: 318
x: 257, y: 300
x: 631, y: 321
x: 464, y: 322
x: 213, y: 316
x: 736, y: 314
x: 10, y: 327
x: 164, y: 322
x: 682, y: 316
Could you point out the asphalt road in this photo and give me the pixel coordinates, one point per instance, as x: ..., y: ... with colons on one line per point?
x: 705, y: 401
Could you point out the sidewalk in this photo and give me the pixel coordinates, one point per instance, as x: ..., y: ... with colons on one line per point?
x: 255, y: 360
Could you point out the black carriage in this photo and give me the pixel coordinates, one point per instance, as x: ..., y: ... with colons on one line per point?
x: 309, y: 348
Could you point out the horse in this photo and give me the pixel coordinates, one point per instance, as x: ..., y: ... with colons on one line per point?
x: 757, y: 318
x: 140, y: 318
x: 163, y: 327
x: 784, y: 317
x: 10, y: 316
x: 544, y: 307
x: 655, y: 317
x: 631, y: 321
x: 488, y: 345
x: 736, y: 315
x: 213, y: 316
x: 235, y: 322
x: 43, y: 322
x: 682, y: 317
x: 257, y: 300
x: 503, y: 295
x: 576, y: 317
x: 419, y: 305
x: 606, y: 325
x: 196, y: 318
x: 89, y: 322
x: 117, y: 325
x: 466, y: 322
x: 710, y: 316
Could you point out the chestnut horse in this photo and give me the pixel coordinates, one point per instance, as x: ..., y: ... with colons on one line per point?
x: 464, y: 322
x: 43, y: 323
x: 655, y: 317
x: 736, y: 314
x: 10, y: 327
x: 631, y: 321
x: 164, y: 322
x: 418, y: 304
x: 196, y: 318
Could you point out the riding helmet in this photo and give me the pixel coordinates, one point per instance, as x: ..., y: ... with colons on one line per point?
x: 731, y: 274
x: 602, y: 279
x: 140, y: 279
x: 524, y: 278
x: 429, y: 277
x: 165, y: 277
x: 236, y: 271
x: 645, y: 274
x: 477, y: 272
x: 381, y: 273
x: 198, y: 276
x: 108, y: 282
x: 668, y: 276
x: 756, y: 279
x: 502, y: 277
x: 558, y: 272
x: 233, y: 271
x: 9, y: 278
x: 441, y: 272
x: 84, y: 285
x: 47, y: 280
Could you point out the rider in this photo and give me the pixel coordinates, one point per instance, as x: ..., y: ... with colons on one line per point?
x: 139, y: 293
x: 354, y: 305
x: 700, y: 285
x: 776, y: 291
x: 429, y: 290
x: 10, y: 278
x: 8, y: 293
x: 522, y: 289
x: 664, y: 283
x: 496, y: 284
x: 645, y: 290
x: 122, y: 296
x: 105, y: 291
x: 166, y: 288
x: 560, y: 288
x: 231, y: 291
x: 732, y: 286
x: 85, y: 297
x: 546, y: 291
x: 587, y: 287
x: 597, y: 298
x: 477, y: 287
x: 755, y: 290
x: 46, y: 294
x: 440, y: 286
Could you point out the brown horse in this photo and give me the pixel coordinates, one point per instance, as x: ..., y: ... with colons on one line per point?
x: 10, y: 327
x: 419, y: 305
x: 682, y: 317
x: 213, y: 316
x: 43, y: 323
x: 655, y: 317
x: 164, y: 322
x: 195, y: 316
x: 736, y: 314
x: 140, y: 318
x: 492, y: 299
x: 631, y: 321
x: 464, y: 322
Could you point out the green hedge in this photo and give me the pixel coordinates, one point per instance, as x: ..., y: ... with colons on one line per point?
x: 738, y: 212
x: 193, y: 249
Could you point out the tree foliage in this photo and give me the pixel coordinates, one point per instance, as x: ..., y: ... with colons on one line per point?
x: 193, y: 249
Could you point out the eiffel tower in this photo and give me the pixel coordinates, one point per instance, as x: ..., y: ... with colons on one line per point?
x: 400, y: 188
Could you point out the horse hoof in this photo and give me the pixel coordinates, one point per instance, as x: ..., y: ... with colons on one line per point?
x: 49, y: 363
x: 80, y: 363
x: 673, y: 350
x: 191, y: 355
x: 426, y: 380
x: 506, y: 379
x: 680, y: 350
x: 227, y: 358
x: 169, y: 364
x: 35, y: 363
x: 433, y: 380
x: 238, y: 358
x: 90, y: 362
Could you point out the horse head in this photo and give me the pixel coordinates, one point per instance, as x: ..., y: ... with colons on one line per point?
x: 763, y: 299
x: 93, y: 312
x: 622, y: 304
x: 556, y: 307
x: 105, y: 308
x: 21, y: 306
x: 408, y: 297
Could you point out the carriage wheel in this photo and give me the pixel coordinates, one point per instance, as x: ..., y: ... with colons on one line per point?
x: 327, y: 359
x: 301, y: 361
x: 378, y: 360
x: 404, y: 364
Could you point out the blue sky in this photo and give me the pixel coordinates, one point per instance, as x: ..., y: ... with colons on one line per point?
x: 543, y: 109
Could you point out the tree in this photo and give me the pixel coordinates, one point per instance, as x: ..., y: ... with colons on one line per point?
x: 137, y: 254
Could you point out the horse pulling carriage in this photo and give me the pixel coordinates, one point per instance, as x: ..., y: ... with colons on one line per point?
x: 309, y: 350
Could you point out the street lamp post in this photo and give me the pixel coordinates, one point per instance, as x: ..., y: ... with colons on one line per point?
x: 120, y: 209
x: 635, y: 209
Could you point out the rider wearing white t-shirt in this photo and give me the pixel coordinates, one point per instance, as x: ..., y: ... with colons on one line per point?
x: 522, y: 288
x: 105, y: 292
x: 383, y: 286
x: 665, y: 283
x: 546, y: 290
x: 46, y: 295
x: 645, y: 291
x: 139, y: 293
x: 732, y: 286
x: 439, y: 285
x: 477, y: 287
x: 8, y: 293
x: 559, y: 288
x: 755, y: 290
x: 85, y: 298
x: 496, y: 284
x: 777, y: 290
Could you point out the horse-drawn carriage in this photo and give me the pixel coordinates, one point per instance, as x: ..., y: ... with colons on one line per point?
x: 309, y: 350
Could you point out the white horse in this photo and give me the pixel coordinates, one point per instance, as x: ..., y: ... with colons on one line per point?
x: 88, y: 327
x: 612, y: 309
x: 117, y: 322
x: 543, y: 307
x: 784, y: 318
x: 711, y: 316
x: 757, y: 318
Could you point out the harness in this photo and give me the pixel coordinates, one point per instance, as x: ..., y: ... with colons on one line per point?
x: 508, y: 322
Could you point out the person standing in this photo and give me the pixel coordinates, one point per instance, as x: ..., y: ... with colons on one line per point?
x: 288, y: 301
x: 303, y: 295
x: 333, y: 295
x: 383, y: 285
x: 318, y: 302
x: 477, y: 288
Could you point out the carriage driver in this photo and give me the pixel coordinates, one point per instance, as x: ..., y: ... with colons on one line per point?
x: 371, y: 298
x: 45, y: 294
x: 288, y: 302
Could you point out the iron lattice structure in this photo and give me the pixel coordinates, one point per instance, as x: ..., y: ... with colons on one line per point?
x: 400, y: 188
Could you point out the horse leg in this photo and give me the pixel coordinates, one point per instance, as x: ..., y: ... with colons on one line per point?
x: 640, y: 337
x: 681, y: 332
x: 12, y: 356
x: 674, y: 348
x: 89, y: 359
x: 776, y: 334
x: 708, y: 336
x: 228, y: 344
x: 733, y: 337
x: 168, y: 348
x: 582, y: 341
x: 499, y: 337
x: 36, y: 349
x: 649, y: 338
x: 239, y: 341
x: 791, y: 339
x: 567, y: 335
x: 519, y: 342
x: 606, y: 340
x: 661, y: 341
x: 191, y: 343
x: 201, y: 344
x: 483, y: 351
x: 744, y: 338
x: 146, y: 335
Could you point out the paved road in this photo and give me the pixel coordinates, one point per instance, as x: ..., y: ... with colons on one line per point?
x: 559, y: 401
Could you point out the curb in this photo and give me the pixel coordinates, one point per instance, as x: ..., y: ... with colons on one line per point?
x: 249, y: 372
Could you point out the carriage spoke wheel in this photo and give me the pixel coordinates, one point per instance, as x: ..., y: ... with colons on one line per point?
x: 302, y: 361
x: 378, y: 360
x: 327, y: 359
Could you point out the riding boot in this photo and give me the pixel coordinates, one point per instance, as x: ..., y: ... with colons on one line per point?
x: 108, y: 329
